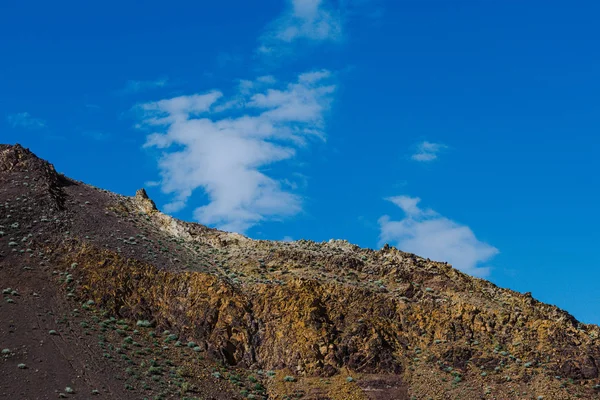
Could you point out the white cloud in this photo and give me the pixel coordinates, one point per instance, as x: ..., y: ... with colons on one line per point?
x: 133, y: 86
x: 287, y: 239
x: 168, y: 110
x: 429, y: 234
x: 428, y: 151
x: 25, y: 120
x: 222, y: 147
x: 305, y: 19
x: 245, y: 88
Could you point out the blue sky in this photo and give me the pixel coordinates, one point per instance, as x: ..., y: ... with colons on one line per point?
x: 464, y: 131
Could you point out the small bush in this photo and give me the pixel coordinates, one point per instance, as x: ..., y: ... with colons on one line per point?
x: 155, y: 371
x: 144, y: 323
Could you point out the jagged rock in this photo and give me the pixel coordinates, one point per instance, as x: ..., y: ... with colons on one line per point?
x: 146, y: 203
x: 406, y: 325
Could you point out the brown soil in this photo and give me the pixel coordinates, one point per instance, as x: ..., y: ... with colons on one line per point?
x: 268, y: 319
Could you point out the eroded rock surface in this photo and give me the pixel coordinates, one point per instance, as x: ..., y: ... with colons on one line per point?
x: 343, y: 321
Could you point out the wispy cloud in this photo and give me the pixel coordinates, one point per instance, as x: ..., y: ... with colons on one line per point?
x: 428, y: 151
x: 429, y: 234
x: 313, y: 20
x: 133, y: 86
x: 210, y: 142
x: 152, y: 184
x: 25, y: 120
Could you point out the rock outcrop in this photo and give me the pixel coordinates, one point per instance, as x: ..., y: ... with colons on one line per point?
x: 314, y: 312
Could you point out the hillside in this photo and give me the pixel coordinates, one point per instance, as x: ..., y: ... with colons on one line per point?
x: 104, y: 295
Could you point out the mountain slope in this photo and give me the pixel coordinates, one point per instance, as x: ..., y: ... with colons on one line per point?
x: 267, y: 319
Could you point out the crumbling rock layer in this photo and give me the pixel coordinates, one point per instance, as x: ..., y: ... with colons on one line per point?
x: 310, y: 309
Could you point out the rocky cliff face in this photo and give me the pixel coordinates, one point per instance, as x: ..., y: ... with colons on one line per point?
x: 327, y: 320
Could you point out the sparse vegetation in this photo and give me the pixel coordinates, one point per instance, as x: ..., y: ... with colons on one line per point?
x: 316, y: 309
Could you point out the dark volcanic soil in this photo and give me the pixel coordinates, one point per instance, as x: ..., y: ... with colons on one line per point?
x: 104, y: 296
x: 51, y: 340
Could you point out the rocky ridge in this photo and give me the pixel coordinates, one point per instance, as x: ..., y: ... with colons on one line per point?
x: 327, y: 320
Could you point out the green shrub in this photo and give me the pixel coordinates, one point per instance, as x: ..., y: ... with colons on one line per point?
x: 155, y: 370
